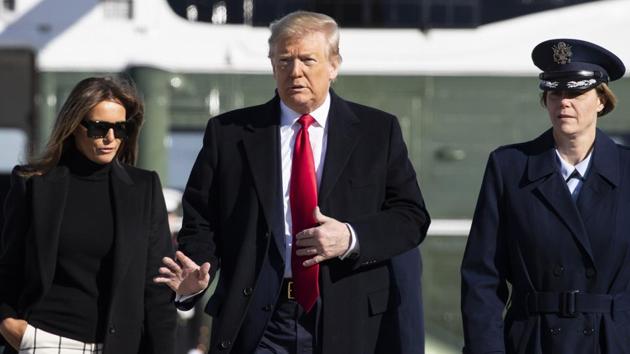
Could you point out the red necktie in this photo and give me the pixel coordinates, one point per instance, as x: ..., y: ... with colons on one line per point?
x: 303, y: 199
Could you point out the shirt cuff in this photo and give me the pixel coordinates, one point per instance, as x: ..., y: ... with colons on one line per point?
x: 183, y: 298
x: 353, y: 250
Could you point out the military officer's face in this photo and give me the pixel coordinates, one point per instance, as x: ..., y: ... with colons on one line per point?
x: 303, y: 71
x: 573, y: 113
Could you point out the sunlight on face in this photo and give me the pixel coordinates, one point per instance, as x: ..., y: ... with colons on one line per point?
x: 574, y: 113
x: 303, y: 71
x: 101, y: 150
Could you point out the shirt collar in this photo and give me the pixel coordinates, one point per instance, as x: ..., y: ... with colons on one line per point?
x: 566, y: 169
x: 320, y: 114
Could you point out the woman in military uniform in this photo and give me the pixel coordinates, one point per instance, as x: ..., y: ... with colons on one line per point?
x: 547, y: 264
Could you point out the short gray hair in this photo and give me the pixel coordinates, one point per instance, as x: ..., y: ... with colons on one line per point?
x: 299, y: 24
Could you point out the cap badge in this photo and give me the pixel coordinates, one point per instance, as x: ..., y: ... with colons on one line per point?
x: 562, y: 53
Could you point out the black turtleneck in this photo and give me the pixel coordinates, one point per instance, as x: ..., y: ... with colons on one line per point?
x: 77, y: 302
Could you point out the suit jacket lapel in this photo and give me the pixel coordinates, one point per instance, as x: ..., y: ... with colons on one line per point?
x: 126, y: 204
x: 49, y: 193
x: 261, y: 143
x: 343, y: 134
x: 543, y: 169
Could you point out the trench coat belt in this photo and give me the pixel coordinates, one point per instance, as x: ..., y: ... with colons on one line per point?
x: 573, y: 302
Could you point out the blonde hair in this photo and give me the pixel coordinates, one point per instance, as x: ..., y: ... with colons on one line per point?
x: 84, y: 96
x: 299, y: 24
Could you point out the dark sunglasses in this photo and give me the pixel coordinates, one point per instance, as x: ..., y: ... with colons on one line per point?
x: 99, y: 129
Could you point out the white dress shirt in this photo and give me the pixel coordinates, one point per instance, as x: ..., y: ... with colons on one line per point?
x: 318, y: 136
x: 567, y: 170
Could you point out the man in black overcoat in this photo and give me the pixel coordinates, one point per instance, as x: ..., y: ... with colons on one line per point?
x: 241, y: 201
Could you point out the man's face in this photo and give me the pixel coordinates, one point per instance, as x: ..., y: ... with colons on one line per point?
x: 303, y: 71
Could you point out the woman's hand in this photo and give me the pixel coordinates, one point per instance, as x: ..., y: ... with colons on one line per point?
x: 185, y: 278
x: 13, y: 330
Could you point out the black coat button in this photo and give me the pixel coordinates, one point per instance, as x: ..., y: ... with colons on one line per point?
x: 268, y: 308
x: 267, y: 234
x: 111, y: 330
x: 558, y: 270
x: 590, y: 272
x: 588, y: 331
x: 224, y: 344
x: 555, y: 331
x: 247, y: 291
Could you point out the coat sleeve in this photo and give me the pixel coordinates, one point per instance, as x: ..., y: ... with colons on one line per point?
x: 159, y: 312
x: 484, y: 269
x: 12, y: 241
x: 196, y: 239
x: 403, y: 220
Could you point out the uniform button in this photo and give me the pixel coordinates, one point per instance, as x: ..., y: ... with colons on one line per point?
x: 590, y: 272
x: 111, y: 330
x: 267, y: 234
x: 225, y: 344
x: 558, y: 270
x: 247, y: 291
x: 588, y: 331
x: 555, y: 331
x: 268, y: 308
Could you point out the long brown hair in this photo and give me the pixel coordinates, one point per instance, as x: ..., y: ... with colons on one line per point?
x: 84, y: 96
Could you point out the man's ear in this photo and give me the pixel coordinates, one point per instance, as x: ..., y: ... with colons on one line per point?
x: 333, y: 69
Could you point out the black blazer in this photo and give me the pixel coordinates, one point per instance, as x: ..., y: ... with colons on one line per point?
x: 141, y: 315
x: 528, y: 232
x: 233, y: 218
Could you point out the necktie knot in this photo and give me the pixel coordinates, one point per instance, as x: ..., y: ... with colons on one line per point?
x: 576, y: 174
x: 306, y: 120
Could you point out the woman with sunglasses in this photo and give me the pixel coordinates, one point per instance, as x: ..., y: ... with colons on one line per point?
x: 547, y: 264
x: 84, y: 233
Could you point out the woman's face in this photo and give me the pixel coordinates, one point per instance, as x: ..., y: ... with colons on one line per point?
x: 101, y: 150
x: 573, y: 113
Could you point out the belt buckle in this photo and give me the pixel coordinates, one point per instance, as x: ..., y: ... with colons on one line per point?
x: 568, y: 303
x: 290, y: 295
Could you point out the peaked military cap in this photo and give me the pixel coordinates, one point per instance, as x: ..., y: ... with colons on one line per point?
x: 572, y: 64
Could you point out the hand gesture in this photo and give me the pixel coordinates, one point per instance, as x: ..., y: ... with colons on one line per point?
x: 331, y: 238
x: 13, y: 330
x: 184, y: 276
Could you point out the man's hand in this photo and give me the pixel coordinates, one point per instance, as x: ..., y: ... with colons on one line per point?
x: 13, y: 330
x: 185, y: 278
x: 328, y: 240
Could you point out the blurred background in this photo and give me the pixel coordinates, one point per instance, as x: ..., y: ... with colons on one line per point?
x: 457, y: 73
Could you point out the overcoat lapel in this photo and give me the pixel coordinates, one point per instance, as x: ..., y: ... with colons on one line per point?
x: 602, y: 177
x: 50, y: 192
x: 127, y: 201
x: 598, y: 199
x: 343, y: 135
x: 542, y: 167
x: 261, y: 143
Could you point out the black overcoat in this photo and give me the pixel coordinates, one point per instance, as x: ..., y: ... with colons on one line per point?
x: 568, y: 262
x: 233, y: 218
x: 141, y: 315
